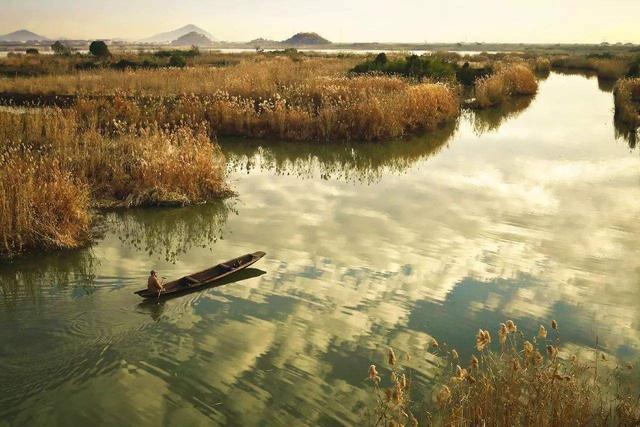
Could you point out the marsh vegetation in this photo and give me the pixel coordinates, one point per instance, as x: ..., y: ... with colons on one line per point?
x: 140, y: 129
x: 55, y: 168
x: 518, y: 380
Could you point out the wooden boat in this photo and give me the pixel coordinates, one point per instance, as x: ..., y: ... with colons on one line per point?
x: 204, y: 278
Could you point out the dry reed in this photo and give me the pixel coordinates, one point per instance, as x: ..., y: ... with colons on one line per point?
x: 606, y: 68
x: 53, y: 168
x: 41, y: 205
x: 523, y: 383
x: 627, y: 101
x: 509, y: 80
x: 310, y: 99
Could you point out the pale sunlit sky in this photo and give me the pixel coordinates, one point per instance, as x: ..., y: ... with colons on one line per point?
x: 542, y: 21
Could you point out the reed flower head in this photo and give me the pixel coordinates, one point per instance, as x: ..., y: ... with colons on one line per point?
x: 554, y: 325
x: 483, y: 339
x: 373, y: 374
x: 434, y: 343
x: 542, y: 332
x: 528, y: 349
x: 392, y: 357
x: 454, y: 354
x: 474, y: 362
x: 537, y: 358
x: 552, y: 351
x: 502, y: 333
x: 444, y: 395
x: 461, y: 373
x: 511, y: 327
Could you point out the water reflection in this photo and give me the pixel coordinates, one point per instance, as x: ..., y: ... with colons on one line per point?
x: 606, y: 85
x: 362, y: 163
x: 169, y: 232
x: 32, y: 277
x: 627, y: 133
x: 490, y: 119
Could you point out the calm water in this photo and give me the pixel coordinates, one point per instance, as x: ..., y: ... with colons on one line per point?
x: 528, y: 213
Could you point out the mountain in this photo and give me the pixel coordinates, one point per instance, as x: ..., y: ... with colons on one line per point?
x: 22, y: 36
x: 306, y: 39
x: 262, y: 40
x: 192, y: 39
x: 176, y: 34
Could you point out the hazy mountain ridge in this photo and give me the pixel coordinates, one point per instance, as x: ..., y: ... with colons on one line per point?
x: 306, y: 39
x: 170, y: 36
x: 192, y: 39
x: 22, y: 36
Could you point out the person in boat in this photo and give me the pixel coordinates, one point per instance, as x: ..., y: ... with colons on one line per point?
x: 153, y: 284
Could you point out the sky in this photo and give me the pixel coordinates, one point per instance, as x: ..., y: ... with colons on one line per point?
x: 540, y: 21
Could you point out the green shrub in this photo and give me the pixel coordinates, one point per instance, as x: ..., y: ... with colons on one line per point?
x: 177, y: 61
x: 99, y: 48
x: 467, y: 75
x: 411, y: 66
x: 32, y: 51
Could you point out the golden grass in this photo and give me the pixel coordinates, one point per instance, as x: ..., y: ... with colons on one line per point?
x: 254, y: 77
x: 606, y: 68
x: 41, y: 205
x: 310, y: 99
x: 364, y: 108
x: 541, y: 65
x: 66, y: 166
x: 627, y: 101
x: 509, y: 80
x: 525, y: 382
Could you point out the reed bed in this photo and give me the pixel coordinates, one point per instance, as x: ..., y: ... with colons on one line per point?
x: 541, y: 65
x: 510, y: 80
x: 41, y: 205
x: 54, y: 169
x: 257, y: 77
x: 365, y: 108
x: 518, y: 382
x: 627, y: 101
x: 307, y: 99
x: 606, y: 67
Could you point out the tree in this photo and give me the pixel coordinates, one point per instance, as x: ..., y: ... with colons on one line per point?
x: 381, y: 59
x: 60, y: 48
x: 99, y: 48
x: 32, y: 51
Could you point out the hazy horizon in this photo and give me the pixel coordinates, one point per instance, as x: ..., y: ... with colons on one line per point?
x: 410, y: 21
